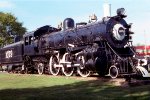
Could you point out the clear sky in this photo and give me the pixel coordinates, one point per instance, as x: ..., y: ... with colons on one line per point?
x: 36, y: 13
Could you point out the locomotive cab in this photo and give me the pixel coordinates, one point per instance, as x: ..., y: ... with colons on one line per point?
x: 33, y: 40
x: 29, y: 44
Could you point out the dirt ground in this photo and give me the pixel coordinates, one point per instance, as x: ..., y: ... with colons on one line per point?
x: 117, y: 82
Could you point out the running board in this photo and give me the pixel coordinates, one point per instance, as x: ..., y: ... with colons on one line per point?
x: 127, y: 74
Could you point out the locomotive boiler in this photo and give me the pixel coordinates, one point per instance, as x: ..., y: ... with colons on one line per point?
x: 83, y: 48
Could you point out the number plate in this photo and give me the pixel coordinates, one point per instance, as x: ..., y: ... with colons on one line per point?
x: 9, y: 54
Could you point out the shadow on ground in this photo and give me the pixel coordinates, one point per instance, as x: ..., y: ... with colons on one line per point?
x: 85, y: 90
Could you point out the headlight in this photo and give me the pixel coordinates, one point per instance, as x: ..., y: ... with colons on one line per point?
x: 121, y: 12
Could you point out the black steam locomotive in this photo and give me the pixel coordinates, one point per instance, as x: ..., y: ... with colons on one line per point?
x: 103, y: 46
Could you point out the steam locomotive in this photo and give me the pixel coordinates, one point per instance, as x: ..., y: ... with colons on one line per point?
x: 102, y: 47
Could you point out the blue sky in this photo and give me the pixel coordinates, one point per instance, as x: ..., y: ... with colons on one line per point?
x: 36, y: 13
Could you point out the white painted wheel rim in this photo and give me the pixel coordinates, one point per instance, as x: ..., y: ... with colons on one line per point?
x: 116, y: 69
x: 80, y: 68
x: 66, y: 73
x: 51, y: 67
x: 40, y: 68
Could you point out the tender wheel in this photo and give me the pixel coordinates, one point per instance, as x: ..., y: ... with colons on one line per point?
x: 67, y: 71
x: 82, y: 71
x: 54, y: 70
x: 40, y: 68
x: 113, y: 72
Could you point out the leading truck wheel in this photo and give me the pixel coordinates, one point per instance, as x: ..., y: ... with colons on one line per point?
x: 113, y: 72
x: 54, y: 70
x: 82, y: 71
x: 40, y: 68
x: 67, y: 70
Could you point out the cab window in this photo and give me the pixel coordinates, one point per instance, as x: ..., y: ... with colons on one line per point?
x: 26, y: 41
x: 31, y: 39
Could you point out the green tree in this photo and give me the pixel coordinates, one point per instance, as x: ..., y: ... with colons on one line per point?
x: 9, y: 27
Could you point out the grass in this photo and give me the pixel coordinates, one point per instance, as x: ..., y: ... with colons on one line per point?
x: 34, y: 87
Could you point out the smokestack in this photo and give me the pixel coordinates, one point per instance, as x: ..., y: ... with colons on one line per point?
x: 107, y: 10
